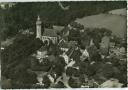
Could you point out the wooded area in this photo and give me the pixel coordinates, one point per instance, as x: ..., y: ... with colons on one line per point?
x: 23, y: 15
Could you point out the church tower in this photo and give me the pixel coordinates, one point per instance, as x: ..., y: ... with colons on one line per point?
x: 38, y: 28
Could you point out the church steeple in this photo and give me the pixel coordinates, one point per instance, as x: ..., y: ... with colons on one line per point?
x: 38, y: 28
x: 38, y: 19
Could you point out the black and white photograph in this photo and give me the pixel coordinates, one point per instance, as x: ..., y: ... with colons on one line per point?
x: 63, y: 44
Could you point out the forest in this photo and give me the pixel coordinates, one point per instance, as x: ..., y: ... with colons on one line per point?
x: 24, y: 15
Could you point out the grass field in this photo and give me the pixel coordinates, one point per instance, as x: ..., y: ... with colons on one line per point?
x: 114, y: 22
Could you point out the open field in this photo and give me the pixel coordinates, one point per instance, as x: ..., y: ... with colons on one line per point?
x: 115, y: 23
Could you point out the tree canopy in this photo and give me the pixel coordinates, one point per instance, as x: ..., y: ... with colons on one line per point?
x: 18, y: 52
x: 24, y: 15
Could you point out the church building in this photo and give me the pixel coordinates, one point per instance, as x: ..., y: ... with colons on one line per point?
x: 48, y: 34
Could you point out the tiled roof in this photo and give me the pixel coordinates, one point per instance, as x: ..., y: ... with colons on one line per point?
x: 50, y: 32
x: 58, y: 28
x: 63, y: 44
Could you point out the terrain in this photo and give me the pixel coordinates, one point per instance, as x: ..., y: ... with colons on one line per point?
x: 115, y: 22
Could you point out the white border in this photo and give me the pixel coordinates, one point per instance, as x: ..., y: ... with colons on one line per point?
x: 127, y: 44
x: 52, y: 0
x: 73, y: 88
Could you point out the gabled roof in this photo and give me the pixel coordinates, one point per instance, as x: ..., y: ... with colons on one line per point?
x: 49, y: 32
x: 63, y: 44
x: 72, y: 43
x: 61, y: 41
x: 58, y: 28
x: 73, y: 53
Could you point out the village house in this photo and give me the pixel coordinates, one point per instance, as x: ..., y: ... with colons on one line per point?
x: 27, y: 32
x: 5, y: 5
x: 41, y: 53
x: 65, y: 33
x: 63, y: 45
x: 72, y: 32
x: 104, y: 45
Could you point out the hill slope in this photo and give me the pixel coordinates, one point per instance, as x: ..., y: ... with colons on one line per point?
x: 119, y: 12
x: 117, y: 24
x: 24, y: 15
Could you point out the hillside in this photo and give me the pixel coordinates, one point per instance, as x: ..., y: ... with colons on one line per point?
x: 23, y: 15
x: 116, y: 23
x: 119, y: 12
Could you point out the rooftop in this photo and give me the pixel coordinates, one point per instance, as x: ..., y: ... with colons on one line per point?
x: 50, y: 32
x: 63, y: 44
x: 58, y: 28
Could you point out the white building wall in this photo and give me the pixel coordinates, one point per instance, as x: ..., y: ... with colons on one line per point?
x: 54, y: 39
x: 38, y: 31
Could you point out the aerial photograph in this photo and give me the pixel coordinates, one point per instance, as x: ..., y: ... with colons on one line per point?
x: 63, y: 44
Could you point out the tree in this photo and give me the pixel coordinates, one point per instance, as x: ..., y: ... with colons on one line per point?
x: 17, y: 53
x: 24, y: 15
